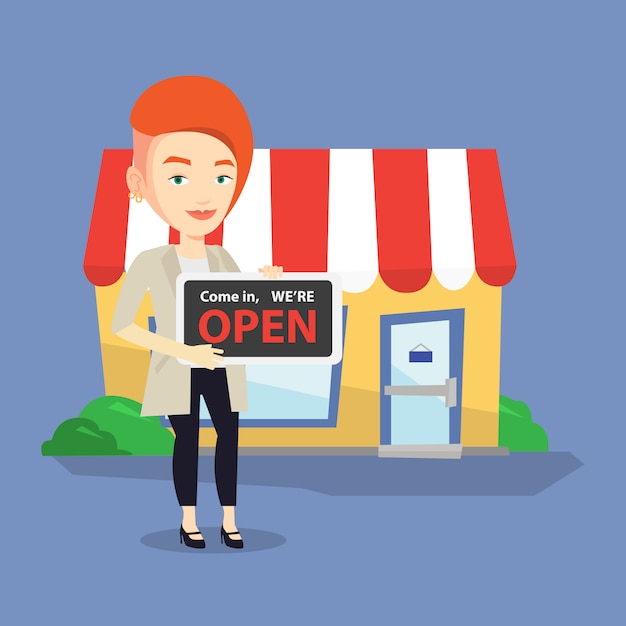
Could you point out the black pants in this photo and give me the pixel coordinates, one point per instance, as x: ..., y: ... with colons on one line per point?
x: 212, y: 385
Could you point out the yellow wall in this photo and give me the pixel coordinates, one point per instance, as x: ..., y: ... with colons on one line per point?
x: 124, y: 365
x: 358, y: 423
x: 481, y: 350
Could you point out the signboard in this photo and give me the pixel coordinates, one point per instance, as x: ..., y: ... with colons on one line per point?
x: 293, y: 319
x: 420, y: 354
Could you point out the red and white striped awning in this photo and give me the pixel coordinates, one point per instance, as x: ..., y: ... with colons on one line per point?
x: 403, y: 214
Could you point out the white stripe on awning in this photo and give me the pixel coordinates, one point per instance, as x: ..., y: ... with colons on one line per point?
x: 450, y: 218
x: 146, y: 230
x: 352, y: 243
x: 248, y: 227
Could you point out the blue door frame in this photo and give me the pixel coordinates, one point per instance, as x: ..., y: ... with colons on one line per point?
x: 456, y: 318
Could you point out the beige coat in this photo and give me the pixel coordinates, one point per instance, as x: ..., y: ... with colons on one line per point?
x: 168, y: 388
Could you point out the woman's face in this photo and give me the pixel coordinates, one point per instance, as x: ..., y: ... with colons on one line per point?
x: 190, y: 181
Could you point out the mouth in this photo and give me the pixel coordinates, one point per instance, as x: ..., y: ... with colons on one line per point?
x: 202, y: 215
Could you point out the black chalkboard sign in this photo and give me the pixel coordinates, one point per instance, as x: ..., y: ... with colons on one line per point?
x: 293, y: 319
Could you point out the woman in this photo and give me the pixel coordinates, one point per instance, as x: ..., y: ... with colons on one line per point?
x: 192, y: 149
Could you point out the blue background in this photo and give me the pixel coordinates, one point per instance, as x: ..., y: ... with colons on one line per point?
x: 542, y: 82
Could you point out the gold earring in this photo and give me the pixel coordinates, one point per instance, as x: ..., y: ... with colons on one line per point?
x: 138, y: 197
x: 131, y: 195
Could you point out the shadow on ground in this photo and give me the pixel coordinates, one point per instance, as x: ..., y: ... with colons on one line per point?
x: 520, y: 474
x: 254, y: 540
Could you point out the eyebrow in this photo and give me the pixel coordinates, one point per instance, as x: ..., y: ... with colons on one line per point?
x: 175, y: 159
x: 224, y: 162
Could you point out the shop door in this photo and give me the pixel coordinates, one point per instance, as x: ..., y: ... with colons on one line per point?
x: 421, y: 377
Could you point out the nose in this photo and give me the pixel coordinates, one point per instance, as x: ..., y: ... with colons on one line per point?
x: 203, y: 203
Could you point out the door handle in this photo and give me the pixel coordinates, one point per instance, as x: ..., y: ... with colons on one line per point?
x: 448, y: 390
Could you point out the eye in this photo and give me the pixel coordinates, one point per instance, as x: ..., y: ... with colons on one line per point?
x: 178, y: 180
x: 223, y: 180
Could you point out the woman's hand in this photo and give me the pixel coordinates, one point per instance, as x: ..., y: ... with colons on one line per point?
x: 272, y: 271
x: 204, y: 355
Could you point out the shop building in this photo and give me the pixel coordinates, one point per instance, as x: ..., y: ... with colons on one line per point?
x: 421, y: 240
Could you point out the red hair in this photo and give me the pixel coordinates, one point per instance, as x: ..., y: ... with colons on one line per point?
x: 193, y: 103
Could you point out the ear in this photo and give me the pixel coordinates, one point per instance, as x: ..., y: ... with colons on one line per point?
x: 135, y: 181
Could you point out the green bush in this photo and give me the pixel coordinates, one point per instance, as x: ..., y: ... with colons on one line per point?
x: 517, y: 431
x: 110, y: 425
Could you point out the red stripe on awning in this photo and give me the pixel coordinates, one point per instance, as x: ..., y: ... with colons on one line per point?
x: 106, y: 242
x: 402, y: 218
x: 299, y: 181
x: 493, y: 246
x: 215, y: 238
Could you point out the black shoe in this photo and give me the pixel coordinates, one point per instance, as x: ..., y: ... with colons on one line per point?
x: 192, y: 543
x: 231, y: 543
